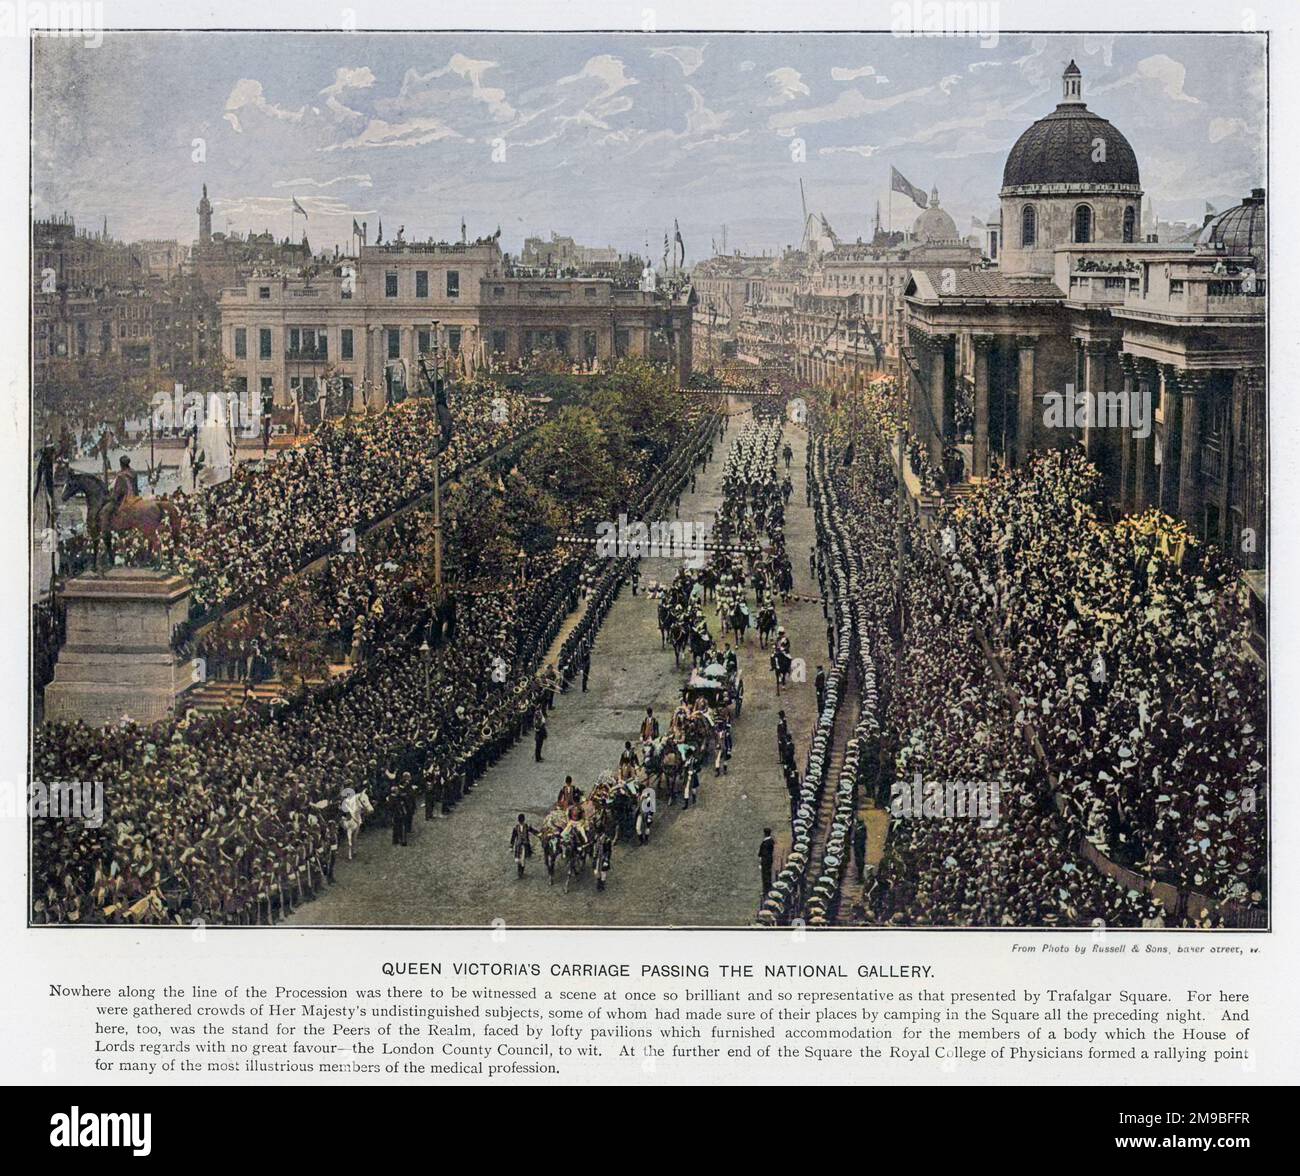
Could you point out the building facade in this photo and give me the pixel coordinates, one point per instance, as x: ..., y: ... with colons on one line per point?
x: 1150, y: 355
x: 365, y: 322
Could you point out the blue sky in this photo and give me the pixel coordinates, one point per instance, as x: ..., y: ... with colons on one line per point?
x: 608, y: 137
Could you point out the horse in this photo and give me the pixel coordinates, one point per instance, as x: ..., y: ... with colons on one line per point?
x: 670, y: 770
x: 701, y: 643
x: 665, y: 623
x: 679, y: 637
x: 575, y: 846
x: 738, y: 622
x: 135, y: 513
x: 552, y: 827
x: 354, y: 808
x: 766, y: 624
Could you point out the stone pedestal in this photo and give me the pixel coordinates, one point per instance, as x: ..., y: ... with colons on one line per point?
x: 117, y: 659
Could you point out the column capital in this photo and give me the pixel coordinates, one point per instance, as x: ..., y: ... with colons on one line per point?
x: 1129, y: 363
x: 1026, y: 342
x: 982, y: 341
x: 1097, y: 346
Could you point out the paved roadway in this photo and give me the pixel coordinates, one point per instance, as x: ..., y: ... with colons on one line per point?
x: 700, y: 867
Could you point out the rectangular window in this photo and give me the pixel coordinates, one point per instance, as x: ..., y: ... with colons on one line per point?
x: 345, y: 342
x: 589, y: 345
x: 295, y: 341
x: 264, y: 343
x: 453, y: 339
x: 423, y: 341
x: 390, y: 285
x: 268, y: 393
x: 241, y: 342
x: 394, y: 343
x: 499, y: 342
x: 453, y: 283
x: 264, y: 292
x: 422, y: 283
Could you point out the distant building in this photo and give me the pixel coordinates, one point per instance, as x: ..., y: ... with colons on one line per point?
x: 365, y: 322
x: 565, y: 253
x: 830, y: 311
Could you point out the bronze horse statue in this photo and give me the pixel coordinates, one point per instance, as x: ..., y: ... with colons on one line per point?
x: 135, y: 513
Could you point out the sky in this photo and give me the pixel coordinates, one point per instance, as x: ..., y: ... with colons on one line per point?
x: 608, y: 137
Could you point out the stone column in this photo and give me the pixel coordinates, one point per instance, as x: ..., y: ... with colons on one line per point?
x: 1126, y: 441
x: 1145, y: 488
x: 934, y: 424
x: 1192, y: 386
x: 1171, y: 412
x: 982, y: 345
x: 1026, y: 402
x: 1094, y: 390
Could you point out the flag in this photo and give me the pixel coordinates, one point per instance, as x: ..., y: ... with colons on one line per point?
x: 665, y: 250
x: 900, y: 183
x: 677, y: 236
x: 1210, y: 210
x: 298, y: 207
x: 356, y: 228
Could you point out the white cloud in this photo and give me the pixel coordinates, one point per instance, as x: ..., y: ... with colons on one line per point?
x: 849, y: 104
x: 361, y: 179
x: 413, y: 133
x: 467, y: 69
x: 607, y: 70
x: 1225, y: 128
x: 346, y: 79
x: 866, y: 150
x: 947, y: 84
x: 687, y: 56
x: 840, y: 73
x: 247, y: 95
x: 1167, y: 74
x: 788, y: 84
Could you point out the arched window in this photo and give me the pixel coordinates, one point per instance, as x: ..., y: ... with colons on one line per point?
x: 1129, y: 220
x: 1082, y: 224
x: 1028, y: 225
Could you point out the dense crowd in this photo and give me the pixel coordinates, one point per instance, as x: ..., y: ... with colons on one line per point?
x: 1130, y: 716
x: 1127, y: 646
x: 240, y: 538
x: 236, y: 817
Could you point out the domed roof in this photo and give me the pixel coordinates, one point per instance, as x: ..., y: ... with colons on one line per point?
x: 934, y: 224
x: 1240, y: 232
x: 1059, y: 147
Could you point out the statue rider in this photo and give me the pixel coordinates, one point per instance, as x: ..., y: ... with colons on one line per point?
x: 125, y: 485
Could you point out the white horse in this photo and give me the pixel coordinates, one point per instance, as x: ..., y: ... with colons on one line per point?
x: 355, y: 807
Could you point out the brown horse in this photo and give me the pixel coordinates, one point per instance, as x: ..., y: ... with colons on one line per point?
x: 145, y: 515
